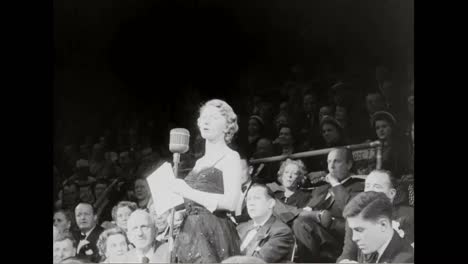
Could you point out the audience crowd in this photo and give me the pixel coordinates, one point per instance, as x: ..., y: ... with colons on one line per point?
x: 330, y: 208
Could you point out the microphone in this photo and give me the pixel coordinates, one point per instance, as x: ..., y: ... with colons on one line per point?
x: 179, y: 140
x: 178, y: 144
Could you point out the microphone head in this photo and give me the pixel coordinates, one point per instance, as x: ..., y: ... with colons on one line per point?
x: 179, y: 140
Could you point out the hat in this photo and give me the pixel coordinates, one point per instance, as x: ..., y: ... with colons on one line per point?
x: 258, y: 118
x: 330, y: 120
x: 379, y: 115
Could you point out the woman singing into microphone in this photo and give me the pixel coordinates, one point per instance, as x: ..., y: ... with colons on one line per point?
x: 211, y: 191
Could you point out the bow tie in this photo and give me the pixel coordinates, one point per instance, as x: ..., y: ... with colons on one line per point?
x: 244, y: 187
x: 82, y: 236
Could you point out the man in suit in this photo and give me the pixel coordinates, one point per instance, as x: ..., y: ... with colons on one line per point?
x: 142, y: 234
x: 322, y: 241
x: 369, y: 215
x: 402, y: 217
x: 89, y: 232
x: 265, y: 236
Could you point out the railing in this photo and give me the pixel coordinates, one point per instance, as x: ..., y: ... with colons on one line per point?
x: 373, y: 144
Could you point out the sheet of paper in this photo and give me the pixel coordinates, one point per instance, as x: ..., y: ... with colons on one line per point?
x: 158, y: 183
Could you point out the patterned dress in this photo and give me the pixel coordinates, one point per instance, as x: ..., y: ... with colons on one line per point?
x: 205, y: 237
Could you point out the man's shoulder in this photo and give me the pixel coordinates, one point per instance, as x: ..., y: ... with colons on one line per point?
x: 404, y: 210
x: 280, y: 227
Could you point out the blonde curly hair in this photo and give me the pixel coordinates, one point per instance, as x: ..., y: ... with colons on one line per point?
x: 228, y: 113
x: 301, y: 178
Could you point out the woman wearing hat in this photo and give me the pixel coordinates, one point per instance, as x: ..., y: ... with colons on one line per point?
x: 395, y: 154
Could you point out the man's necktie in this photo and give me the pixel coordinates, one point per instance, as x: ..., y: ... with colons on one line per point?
x: 372, y: 258
x: 82, y: 236
x: 144, y: 260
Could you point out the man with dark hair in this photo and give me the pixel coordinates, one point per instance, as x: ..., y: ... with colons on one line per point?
x: 89, y: 232
x: 369, y: 215
x: 265, y: 236
x: 318, y: 240
x: 70, y: 195
x: 402, y: 218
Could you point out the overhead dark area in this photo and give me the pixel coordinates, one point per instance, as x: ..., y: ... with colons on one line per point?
x: 125, y: 53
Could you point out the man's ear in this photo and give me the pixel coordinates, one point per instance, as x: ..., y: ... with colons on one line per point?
x: 384, y: 224
x: 271, y: 203
x: 393, y: 192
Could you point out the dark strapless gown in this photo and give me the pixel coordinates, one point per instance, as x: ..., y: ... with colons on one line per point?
x: 205, y: 237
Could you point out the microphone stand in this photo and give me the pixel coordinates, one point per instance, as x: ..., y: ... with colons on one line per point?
x: 176, y: 159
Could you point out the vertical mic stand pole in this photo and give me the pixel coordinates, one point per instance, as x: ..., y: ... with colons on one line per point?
x: 171, y: 226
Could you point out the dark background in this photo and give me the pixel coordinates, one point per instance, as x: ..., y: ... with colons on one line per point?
x: 125, y: 56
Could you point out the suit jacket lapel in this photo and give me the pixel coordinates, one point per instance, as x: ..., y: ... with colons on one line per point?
x: 319, y: 198
x: 392, y: 248
x: 261, y: 235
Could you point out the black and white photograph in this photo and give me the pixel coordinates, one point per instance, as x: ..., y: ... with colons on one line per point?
x: 222, y: 131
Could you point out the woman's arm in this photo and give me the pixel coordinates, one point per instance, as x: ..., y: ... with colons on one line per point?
x: 231, y: 168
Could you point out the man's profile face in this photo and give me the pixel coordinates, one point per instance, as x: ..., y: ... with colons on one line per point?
x: 380, y: 182
x: 367, y: 234
x: 85, y: 218
x: 337, y: 165
x: 63, y: 249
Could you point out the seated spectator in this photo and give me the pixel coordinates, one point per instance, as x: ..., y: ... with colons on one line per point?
x: 265, y: 172
x: 142, y: 193
x: 292, y: 176
x: 318, y: 240
x: 121, y: 212
x: 86, y: 193
x: 285, y: 141
x: 89, y: 232
x: 265, y: 236
x: 82, y: 174
x: 369, y: 216
x: 70, y: 195
x: 326, y: 110
x: 64, y: 247
x: 142, y: 234
x: 126, y: 168
x: 308, y: 121
x: 402, y: 217
x: 282, y: 119
x: 395, y: 153
x: 255, y: 131
x: 63, y: 221
x: 113, y: 246
x: 266, y: 114
x: 332, y: 132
